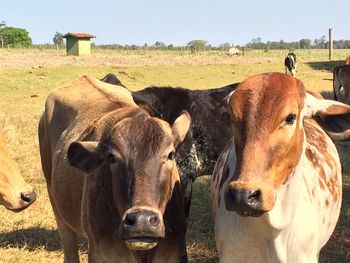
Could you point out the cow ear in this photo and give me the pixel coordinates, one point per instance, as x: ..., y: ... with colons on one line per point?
x: 181, y: 127
x: 320, y: 107
x: 86, y: 156
x: 332, y: 116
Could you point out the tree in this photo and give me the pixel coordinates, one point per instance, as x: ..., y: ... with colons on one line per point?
x: 16, y: 37
x: 321, y: 42
x: 305, y: 43
x: 58, y: 40
x: 2, y: 26
x: 256, y: 43
x: 196, y: 45
x: 224, y: 46
x: 159, y: 44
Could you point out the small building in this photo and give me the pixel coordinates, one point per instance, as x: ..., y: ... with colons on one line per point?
x: 78, y: 44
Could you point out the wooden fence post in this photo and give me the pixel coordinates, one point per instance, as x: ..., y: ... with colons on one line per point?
x: 330, y: 44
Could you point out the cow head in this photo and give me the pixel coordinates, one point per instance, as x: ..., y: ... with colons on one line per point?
x: 268, y: 112
x: 139, y: 155
x: 15, y: 193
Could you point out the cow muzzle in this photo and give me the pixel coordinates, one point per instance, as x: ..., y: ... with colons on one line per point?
x: 245, y: 200
x: 141, y: 229
x: 24, y: 200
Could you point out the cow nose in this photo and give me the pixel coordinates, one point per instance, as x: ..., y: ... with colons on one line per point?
x: 141, y: 224
x: 28, y: 198
x: 246, y: 202
x: 144, y: 218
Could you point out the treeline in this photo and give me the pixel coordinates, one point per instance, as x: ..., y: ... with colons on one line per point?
x: 301, y: 44
x: 202, y: 45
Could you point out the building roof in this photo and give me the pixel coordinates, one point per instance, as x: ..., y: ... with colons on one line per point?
x: 78, y: 35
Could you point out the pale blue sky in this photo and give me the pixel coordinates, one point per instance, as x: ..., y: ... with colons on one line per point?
x: 178, y: 22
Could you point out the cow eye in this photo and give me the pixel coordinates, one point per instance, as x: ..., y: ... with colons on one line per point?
x: 111, y: 158
x: 290, y: 119
x: 172, y: 155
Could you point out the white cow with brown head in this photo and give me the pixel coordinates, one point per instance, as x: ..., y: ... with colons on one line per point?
x: 277, y: 187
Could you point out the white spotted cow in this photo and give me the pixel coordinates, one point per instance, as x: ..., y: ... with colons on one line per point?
x: 277, y: 188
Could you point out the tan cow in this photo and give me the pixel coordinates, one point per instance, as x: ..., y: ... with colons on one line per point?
x: 277, y: 187
x: 15, y: 193
x: 111, y: 174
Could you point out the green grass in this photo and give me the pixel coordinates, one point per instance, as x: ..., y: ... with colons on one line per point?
x: 30, y: 236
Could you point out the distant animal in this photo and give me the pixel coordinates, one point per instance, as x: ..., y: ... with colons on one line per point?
x: 347, y: 60
x: 15, y: 193
x: 341, y: 79
x: 290, y: 64
x: 276, y: 188
x: 233, y: 51
x: 111, y: 174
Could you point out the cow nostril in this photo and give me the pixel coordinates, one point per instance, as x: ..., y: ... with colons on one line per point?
x: 254, y: 196
x: 154, y: 220
x: 28, y: 197
x: 130, y: 220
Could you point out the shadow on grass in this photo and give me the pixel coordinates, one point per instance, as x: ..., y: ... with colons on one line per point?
x: 327, y: 94
x: 33, y: 238
x: 325, y: 65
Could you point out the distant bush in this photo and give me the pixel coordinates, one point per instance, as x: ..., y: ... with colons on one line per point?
x: 16, y: 37
x: 197, y: 45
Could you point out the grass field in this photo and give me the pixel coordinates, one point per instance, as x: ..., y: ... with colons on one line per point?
x: 26, y: 78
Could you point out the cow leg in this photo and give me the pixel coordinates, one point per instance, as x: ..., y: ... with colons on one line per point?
x: 68, y: 240
x: 184, y: 258
x: 346, y: 93
x: 68, y: 236
x: 186, y: 185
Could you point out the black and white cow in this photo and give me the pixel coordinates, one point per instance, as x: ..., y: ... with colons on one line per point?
x: 290, y: 63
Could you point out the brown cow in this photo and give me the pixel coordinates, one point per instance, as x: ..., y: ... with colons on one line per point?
x: 15, y: 193
x: 111, y: 174
x: 341, y: 78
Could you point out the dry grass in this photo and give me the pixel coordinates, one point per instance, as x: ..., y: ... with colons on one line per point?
x: 30, y: 236
x: 35, y: 58
x: 57, y: 58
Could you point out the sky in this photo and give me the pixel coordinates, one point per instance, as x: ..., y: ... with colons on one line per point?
x: 178, y: 22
